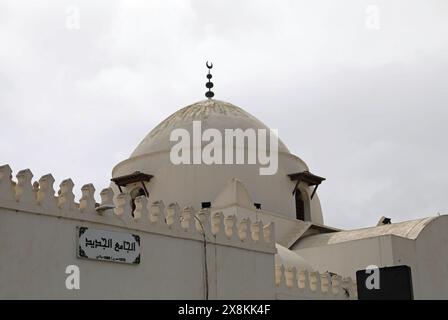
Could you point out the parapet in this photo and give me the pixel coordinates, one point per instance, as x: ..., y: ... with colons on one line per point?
x: 115, y: 209
x: 302, y: 284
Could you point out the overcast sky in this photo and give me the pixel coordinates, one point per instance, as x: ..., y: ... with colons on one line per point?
x: 357, y: 89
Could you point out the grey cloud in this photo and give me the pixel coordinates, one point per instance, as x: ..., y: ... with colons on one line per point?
x: 366, y: 109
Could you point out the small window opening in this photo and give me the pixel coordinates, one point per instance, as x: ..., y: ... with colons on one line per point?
x: 300, y: 206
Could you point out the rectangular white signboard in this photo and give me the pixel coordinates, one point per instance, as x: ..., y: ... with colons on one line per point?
x: 108, y: 245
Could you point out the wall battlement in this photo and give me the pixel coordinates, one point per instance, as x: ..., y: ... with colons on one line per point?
x: 115, y: 210
x: 302, y: 284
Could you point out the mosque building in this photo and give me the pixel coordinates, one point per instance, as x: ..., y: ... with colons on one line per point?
x: 169, y: 230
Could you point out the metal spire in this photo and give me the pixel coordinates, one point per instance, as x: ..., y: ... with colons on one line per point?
x: 209, y: 94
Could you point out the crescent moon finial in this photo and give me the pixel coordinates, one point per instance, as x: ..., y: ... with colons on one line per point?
x: 209, y: 94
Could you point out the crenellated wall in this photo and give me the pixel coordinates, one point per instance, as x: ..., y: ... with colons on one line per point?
x: 179, y: 246
x: 301, y: 284
x: 38, y: 241
x: 115, y: 209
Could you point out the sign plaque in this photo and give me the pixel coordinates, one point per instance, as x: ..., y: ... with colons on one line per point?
x: 108, y: 245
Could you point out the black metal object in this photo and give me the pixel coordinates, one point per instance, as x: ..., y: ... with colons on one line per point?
x: 307, y: 177
x: 205, y: 205
x: 257, y: 205
x: 387, y: 221
x: 209, y: 94
x: 395, y: 283
x: 137, y: 176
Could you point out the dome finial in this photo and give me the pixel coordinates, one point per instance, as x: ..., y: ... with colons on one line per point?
x: 209, y: 94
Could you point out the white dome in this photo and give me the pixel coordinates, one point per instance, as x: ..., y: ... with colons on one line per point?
x: 212, y: 113
x: 191, y: 184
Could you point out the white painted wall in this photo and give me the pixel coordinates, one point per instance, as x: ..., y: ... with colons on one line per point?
x: 36, y: 249
x: 426, y: 255
x: 428, y: 258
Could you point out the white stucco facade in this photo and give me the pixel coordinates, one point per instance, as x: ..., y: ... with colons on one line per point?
x: 33, y: 265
